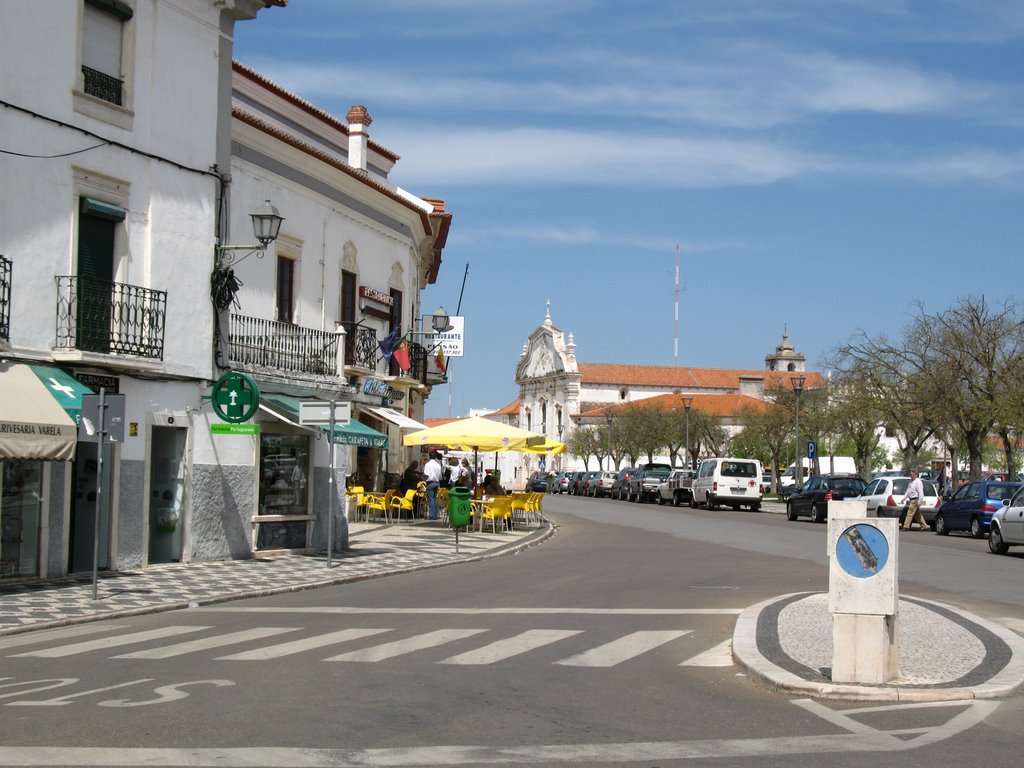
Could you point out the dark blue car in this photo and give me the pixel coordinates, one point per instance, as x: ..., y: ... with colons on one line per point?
x: 971, y: 507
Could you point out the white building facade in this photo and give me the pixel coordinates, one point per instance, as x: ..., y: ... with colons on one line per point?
x: 133, y: 147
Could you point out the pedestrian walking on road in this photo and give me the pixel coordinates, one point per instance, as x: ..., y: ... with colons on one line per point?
x: 915, y: 491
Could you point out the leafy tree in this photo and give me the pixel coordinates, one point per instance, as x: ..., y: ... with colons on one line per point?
x: 767, y: 432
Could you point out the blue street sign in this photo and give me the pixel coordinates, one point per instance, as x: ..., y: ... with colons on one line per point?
x: 812, y: 449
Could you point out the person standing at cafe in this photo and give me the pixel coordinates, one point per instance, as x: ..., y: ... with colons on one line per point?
x: 432, y: 475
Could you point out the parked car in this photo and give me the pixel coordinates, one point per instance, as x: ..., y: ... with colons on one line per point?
x: 972, y: 506
x: 677, y: 487
x: 813, y: 497
x: 1007, y: 526
x: 583, y: 482
x: 601, y: 485
x: 562, y: 482
x: 730, y: 481
x: 621, y: 485
x: 884, y: 497
x: 574, y: 483
x: 643, y: 485
x: 538, y: 482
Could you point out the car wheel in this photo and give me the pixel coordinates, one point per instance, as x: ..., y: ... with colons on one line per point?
x: 693, y: 502
x: 710, y: 503
x: 661, y: 500
x: 976, y: 530
x: 790, y: 512
x: 755, y: 507
x: 996, y: 544
x: 940, y: 525
x: 735, y: 507
x: 676, y: 501
x: 816, y: 516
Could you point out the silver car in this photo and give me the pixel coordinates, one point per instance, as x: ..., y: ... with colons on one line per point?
x: 1007, y: 526
x: 601, y: 484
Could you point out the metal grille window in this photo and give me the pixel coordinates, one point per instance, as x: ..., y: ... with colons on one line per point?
x: 102, y: 34
x: 5, y: 298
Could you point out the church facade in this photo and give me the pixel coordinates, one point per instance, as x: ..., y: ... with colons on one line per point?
x: 558, y: 393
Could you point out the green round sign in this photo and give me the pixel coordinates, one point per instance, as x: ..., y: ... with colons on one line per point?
x: 235, y: 397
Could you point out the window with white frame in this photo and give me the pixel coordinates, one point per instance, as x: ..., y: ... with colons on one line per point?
x: 103, y: 23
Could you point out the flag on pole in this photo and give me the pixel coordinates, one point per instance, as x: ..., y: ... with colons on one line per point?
x: 387, y: 344
x: 442, y: 364
x: 401, y: 356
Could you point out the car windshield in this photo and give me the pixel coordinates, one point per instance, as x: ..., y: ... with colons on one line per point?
x: 739, y: 469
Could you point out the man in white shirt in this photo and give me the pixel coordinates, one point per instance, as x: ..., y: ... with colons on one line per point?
x: 915, y: 491
x: 432, y: 475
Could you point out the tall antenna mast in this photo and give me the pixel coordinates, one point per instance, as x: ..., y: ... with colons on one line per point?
x: 677, y: 306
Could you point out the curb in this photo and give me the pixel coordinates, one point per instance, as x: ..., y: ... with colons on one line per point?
x: 747, y: 653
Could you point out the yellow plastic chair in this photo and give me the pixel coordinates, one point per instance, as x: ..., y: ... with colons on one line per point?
x: 381, y: 503
x: 536, y: 506
x: 521, y: 505
x: 442, y: 503
x: 498, y: 508
x: 356, y: 492
x: 406, y: 503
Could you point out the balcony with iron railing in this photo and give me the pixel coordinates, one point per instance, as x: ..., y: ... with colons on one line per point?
x: 110, y: 318
x: 269, y: 346
x: 102, y: 85
x: 5, y: 298
x: 363, y: 355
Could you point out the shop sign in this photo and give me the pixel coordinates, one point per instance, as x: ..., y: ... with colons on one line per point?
x: 235, y: 429
x: 378, y: 296
x: 378, y: 388
x: 451, y: 341
x: 235, y: 397
x: 95, y: 382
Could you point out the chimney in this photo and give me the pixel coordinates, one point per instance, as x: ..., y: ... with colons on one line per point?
x: 358, y: 138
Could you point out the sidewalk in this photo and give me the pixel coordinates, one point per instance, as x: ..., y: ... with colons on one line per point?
x: 374, y: 550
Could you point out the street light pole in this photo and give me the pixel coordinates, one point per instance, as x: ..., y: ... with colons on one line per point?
x: 798, y: 465
x: 687, y: 404
x: 608, y: 418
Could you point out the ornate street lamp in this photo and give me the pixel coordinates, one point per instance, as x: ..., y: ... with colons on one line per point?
x: 687, y: 404
x: 798, y: 464
x: 266, y: 225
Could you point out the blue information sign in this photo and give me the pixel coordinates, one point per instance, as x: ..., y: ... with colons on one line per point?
x: 812, y: 449
x: 862, y: 550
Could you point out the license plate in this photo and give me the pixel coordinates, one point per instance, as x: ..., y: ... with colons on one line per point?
x: 739, y: 490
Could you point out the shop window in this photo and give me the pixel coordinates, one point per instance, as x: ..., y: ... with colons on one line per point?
x: 283, y: 492
x: 20, y: 506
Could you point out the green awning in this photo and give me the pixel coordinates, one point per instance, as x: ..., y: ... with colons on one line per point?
x: 64, y: 388
x: 356, y: 433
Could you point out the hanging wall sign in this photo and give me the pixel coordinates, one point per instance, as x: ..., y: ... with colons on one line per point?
x: 235, y: 397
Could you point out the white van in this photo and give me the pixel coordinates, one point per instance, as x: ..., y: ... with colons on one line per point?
x: 732, y: 482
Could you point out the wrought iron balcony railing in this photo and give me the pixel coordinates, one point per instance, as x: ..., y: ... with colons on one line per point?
x: 5, y: 298
x: 417, y: 362
x: 361, y: 347
x: 97, y: 316
x: 102, y: 86
x: 275, y: 346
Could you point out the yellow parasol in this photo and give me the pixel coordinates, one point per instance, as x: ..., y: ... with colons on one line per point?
x: 481, y: 434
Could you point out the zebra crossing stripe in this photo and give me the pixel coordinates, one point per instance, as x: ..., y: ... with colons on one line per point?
x: 105, y: 643
x: 719, y: 656
x: 191, y: 646
x: 623, y: 649
x: 298, y: 646
x: 409, y: 645
x: 513, y: 646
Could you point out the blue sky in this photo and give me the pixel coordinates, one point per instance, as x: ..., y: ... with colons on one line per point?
x: 821, y: 164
